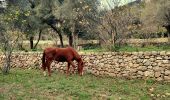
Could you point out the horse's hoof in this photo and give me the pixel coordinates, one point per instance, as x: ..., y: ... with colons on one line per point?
x: 44, y: 73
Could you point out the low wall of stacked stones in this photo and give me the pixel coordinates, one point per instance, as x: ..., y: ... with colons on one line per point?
x: 141, y: 65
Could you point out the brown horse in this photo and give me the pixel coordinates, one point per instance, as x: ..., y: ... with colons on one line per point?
x: 61, y: 55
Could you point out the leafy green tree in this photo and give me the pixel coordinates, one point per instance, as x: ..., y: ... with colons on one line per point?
x: 9, y: 34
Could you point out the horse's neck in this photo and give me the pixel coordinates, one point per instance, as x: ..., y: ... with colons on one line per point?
x: 77, y: 57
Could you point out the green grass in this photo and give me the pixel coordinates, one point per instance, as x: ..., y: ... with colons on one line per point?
x: 31, y: 84
x: 147, y: 48
x: 131, y: 49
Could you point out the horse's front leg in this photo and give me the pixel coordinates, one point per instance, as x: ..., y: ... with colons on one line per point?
x: 72, y: 65
x: 68, y: 68
x: 48, y: 66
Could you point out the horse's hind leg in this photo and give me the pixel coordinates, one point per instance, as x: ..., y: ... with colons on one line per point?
x: 48, y: 63
x: 44, y: 68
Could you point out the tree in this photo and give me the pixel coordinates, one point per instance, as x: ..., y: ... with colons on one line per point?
x: 9, y: 35
x: 72, y: 14
x: 111, y: 25
x: 155, y: 16
x: 46, y: 14
x: 164, y: 16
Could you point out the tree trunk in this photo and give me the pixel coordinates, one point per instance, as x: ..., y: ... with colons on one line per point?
x: 74, y: 36
x: 168, y: 38
x: 7, y: 64
x: 39, y: 37
x: 31, y: 42
x: 168, y: 30
x: 59, y: 34
x: 71, y: 40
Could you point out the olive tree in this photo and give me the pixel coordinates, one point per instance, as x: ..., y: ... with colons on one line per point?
x: 9, y: 36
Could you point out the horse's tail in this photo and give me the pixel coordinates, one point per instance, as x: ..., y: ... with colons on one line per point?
x: 43, y: 61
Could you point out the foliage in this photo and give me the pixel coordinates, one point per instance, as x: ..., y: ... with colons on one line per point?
x: 9, y: 35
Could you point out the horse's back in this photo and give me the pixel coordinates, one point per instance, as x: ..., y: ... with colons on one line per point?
x: 66, y: 53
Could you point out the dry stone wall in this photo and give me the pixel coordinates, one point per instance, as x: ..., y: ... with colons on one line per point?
x: 141, y: 65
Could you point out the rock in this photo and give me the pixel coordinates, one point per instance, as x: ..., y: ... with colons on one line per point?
x: 135, y: 65
x: 135, y: 53
x: 147, y: 53
x: 130, y: 64
x: 112, y: 74
x: 118, y: 69
x: 149, y: 67
x: 133, y: 70
x: 157, y: 74
x: 165, y: 61
x: 149, y: 73
x: 147, y: 57
x: 140, y: 53
x: 158, y: 69
x: 147, y: 63
x: 140, y: 73
x: 168, y: 53
x: 162, y: 53
x: 139, y: 60
x: 159, y: 79
x: 167, y: 78
x: 167, y: 72
x: 154, y: 53
x: 142, y: 68
x: 159, y: 58
x: 152, y: 59
x: 120, y: 61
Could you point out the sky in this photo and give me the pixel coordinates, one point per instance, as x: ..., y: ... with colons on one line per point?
x: 105, y: 3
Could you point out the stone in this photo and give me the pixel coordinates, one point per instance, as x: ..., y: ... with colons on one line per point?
x: 168, y: 53
x: 149, y: 67
x: 167, y: 72
x: 135, y: 53
x: 165, y: 61
x: 140, y: 73
x: 149, y: 73
x: 120, y: 61
x: 112, y: 74
x: 147, y: 63
x: 130, y: 64
x: 159, y: 58
x: 133, y: 70
x: 167, y: 78
x: 157, y: 69
x: 142, y: 68
x: 152, y: 59
x: 140, y: 53
x: 162, y: 53
x: 147, y: 53
x: 135, y: 57
x: 154, y: 53
x: 135, y: 65
x: 157, y: 74
x: 159, y: 79
x: 125, y: 74
x: 118, y: 69
x: 147, y: 57
x: 139, y: 60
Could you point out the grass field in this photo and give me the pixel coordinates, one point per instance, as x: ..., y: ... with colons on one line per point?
x: 130, y: 49
x: 31, y: 85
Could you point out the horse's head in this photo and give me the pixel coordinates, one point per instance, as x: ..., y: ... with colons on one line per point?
x: 80, y: 67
